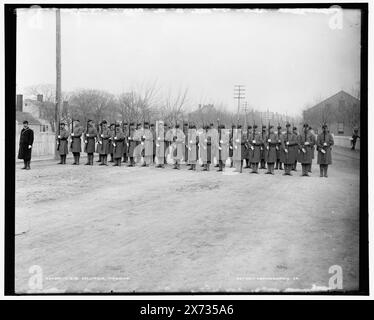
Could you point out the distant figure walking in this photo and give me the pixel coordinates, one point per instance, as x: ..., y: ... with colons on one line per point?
x: 354, y: 138
x: 25, y: 145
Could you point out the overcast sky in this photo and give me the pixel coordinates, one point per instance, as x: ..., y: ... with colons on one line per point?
x: 285, y: 59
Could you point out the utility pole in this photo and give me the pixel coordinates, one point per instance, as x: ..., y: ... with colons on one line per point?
x: 245, y: 108
x: 239, y: 93
x: 58, y: 73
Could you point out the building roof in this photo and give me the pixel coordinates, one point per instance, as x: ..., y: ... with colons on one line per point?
x: 22, y: 116
x: 341, y: 92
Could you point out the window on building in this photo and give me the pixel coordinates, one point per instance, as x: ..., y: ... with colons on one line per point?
x: 340, y: 128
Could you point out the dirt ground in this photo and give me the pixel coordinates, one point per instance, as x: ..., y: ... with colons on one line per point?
x: 102, y: 229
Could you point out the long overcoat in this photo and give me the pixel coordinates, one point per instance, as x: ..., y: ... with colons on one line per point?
x: 62, y: 142
x: 324, y: 143
x: 270, y: 148
x: 90, y: 137
x: 26, y: 139
x: 76, y: 140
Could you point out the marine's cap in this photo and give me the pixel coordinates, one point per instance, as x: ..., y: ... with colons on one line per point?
x: 146, y: 123
x: 125, y: 123
x: 25, y: 122
x: 279, y: 127
x: 255, y: 126
x: 249, y: 127
x: 263, y: 126
x: 117, y: 125
x: 239, y: 126
x: 104, y: 122
x: 271, y: 126
x: 294, y: 128
x: 113, y: 124
x: 288, y: 125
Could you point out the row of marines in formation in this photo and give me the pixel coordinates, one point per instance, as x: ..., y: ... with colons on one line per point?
x: 153, y: 142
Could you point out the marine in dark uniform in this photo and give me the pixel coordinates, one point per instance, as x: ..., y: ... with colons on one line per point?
x: 125, y: 130
x: 263, y: 136
x: 117, y: 143
x: 305, y: 141
x: 278, y: 148
x: 62, y: 143
x: 25, y: 145
x: 90, y: 136
x: 132, y: 144
x: 255, y: 146
x: 270, y: 149
x: 153, y: 131
x: 295, y: 149
x: 76, y: 141
x: 324, y: 143
x: 112, y: 131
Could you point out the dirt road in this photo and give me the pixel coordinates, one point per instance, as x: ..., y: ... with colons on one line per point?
x: 102, y: 229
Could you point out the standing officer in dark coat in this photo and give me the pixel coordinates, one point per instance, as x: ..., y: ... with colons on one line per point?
x: 62, y: 143
x: 25, y: 145
x: 324, y: 143
x: 75, y: 145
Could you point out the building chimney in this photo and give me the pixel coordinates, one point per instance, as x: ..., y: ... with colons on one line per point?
x: 39, y: 97
x: 19, y: 102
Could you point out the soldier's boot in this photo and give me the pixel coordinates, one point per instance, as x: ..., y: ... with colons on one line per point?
x: 280, y: 166
x: 111, y: 158
x: 24, y: 164
x: 99, y: 160
x: 310, y: 167
x: 272, y: 169
x: 321, y: 171
x: 61, y: 162
x: 92, y: 159
x: 269, y: 169
x: 28, y: 165
x: 219, y: 165
x: 231, y: 163
x: 88, y: 160
x: 241, y: 166
x: 65, y: 159
x: 326, y: 167
x: 77, y: 161
x: 276, y: 165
